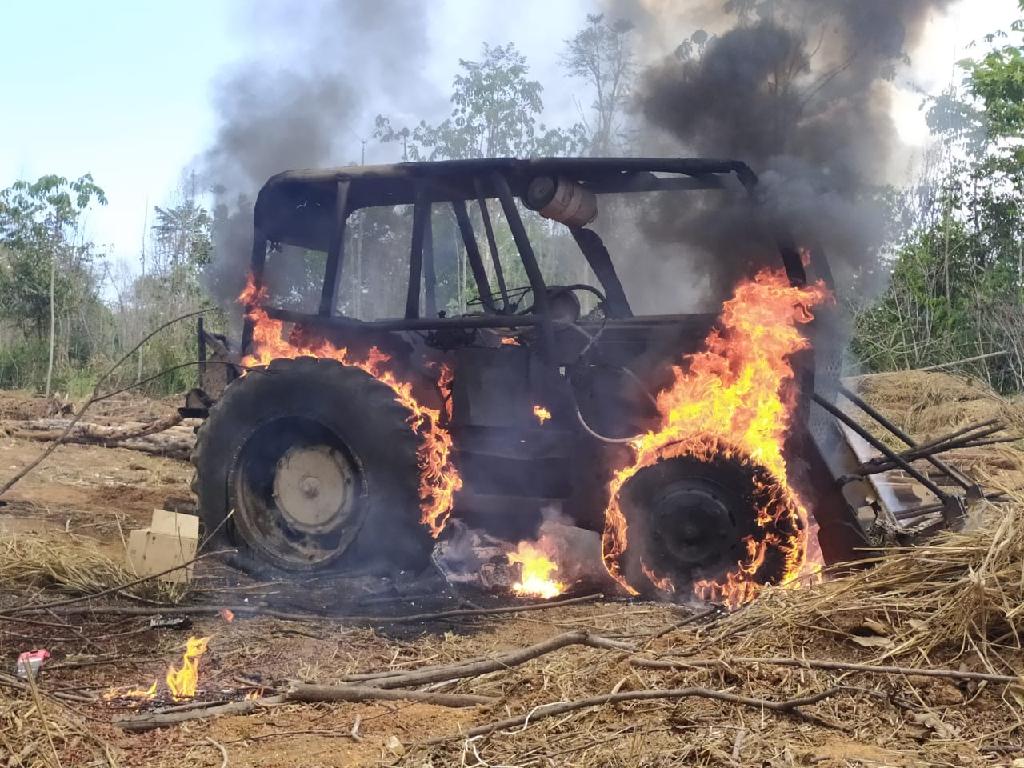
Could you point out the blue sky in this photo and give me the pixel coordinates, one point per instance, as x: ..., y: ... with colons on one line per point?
x: 122, y: 88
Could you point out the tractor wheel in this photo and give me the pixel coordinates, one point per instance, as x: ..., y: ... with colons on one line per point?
x: 689, y: 520
x: 308, y: 465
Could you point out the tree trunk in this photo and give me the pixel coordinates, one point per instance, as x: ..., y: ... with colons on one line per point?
x: 49, y: 366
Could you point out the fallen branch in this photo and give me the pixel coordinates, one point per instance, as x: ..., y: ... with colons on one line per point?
x: 149, y: 721
x: 561, y: 707
x: 254, y: 610
x: 318, y: 693
x: 165, y: 436
x: 475, y: 668
x: 954, y: 674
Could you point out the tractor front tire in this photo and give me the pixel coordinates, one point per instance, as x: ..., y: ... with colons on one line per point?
x: 307, y: 465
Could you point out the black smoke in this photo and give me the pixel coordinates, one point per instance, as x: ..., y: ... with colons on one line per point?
x: 307, y: 94
x: 801, y: 90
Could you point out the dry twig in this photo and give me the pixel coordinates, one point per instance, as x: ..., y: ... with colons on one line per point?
x: 562, y: 707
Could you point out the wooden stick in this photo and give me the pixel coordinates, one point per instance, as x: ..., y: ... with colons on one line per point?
x: 149, y: 721
x: 437, y: 674
x: 561, y: 707
x: 314, y: 693
x: 955, y: 674
x: 254, y: 610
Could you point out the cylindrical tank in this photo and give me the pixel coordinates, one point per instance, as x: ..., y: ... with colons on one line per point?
x: 560, y: 199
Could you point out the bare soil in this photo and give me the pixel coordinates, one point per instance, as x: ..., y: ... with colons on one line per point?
x: 102, y: 493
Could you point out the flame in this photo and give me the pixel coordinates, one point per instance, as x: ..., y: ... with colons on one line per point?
x: 227, y: 614
x: 537, y: 568
x: 542, y: 413
x: 182, y: 682
x: 511, y: 341
x: 127, y: 692
x: 735, y: 397
x: 439, y: 479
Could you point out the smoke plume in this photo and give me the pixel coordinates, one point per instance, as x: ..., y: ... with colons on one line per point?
x: 799, y: 89
x: 318, y: 74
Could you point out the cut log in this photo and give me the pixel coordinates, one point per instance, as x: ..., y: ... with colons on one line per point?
x: 167, y: 436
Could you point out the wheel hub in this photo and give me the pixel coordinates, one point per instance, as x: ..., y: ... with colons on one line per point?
x: 314, y: 487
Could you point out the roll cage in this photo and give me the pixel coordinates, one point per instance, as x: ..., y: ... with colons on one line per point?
x: 311, y: 209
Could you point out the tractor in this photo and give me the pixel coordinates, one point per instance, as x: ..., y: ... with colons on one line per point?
x: 497, y: 292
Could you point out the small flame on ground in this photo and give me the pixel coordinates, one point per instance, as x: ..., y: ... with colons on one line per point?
x: 542, y: 413
x: 734, y: 396
x: 511, y: 341
x: 127, y: 692
x: 537, y: 567
x: 439, y: 479
x: 227, y: 614
x: 182, y: 682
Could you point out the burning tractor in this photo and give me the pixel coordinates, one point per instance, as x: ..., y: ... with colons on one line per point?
x: 354, y: 424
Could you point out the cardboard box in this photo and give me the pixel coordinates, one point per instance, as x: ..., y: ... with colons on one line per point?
x: 171, y: 539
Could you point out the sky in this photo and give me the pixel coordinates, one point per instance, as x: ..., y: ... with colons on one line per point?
x: 122, y: 89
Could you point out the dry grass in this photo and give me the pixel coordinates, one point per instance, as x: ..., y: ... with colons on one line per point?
x: 39, y: 732
x: 72, y: 565
x: 955, y: 602
x: 928, y: 404
x: 960, y: 593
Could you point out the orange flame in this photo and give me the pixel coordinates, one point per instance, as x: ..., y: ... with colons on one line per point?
x: 735, y: 398
x: 439, y: 479
x: 127, y: 692
x: 537, y: 567
x: 182, y: 682
x: 511, y: 341
x: 227, y: 614
x: 542, y: 413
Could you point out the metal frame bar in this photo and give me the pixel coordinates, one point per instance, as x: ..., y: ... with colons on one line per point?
x: 421, y: 211
x: 519, y: 234
x: 335, y: 252
x: 429, y: 272
x: 492, y: 243
x: 476, y: 262
x: 257, y: 261
x: 882, y: 448
x: 906, y: 439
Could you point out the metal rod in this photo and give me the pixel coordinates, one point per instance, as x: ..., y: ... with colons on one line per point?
x: 492, y: 243
x: 881, y: 447
x: 907, y: 439
x: 421, y: 210
x: 476, y: 262
x: 335, y: 252
x: 429, y: 273
x: 257, y: 261
x: 519, y: 234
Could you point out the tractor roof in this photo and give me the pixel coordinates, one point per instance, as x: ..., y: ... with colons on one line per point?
x: 299, y: 206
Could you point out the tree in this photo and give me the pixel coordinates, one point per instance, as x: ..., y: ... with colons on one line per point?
x: 495, y: 113
x: 601, y: 55
x: 38, y: 225
x: 957, y: 283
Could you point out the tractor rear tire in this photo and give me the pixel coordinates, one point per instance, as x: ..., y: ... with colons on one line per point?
x: 307, y: 465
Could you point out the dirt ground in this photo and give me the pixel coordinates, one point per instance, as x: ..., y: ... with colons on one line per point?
x: 95, y: 495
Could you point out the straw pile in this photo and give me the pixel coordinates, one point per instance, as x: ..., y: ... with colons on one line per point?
x: 72, y: 565
x: 928, y: 404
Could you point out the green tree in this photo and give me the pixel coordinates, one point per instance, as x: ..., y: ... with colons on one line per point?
x: 957, y: 282
x: 601, y: 55
x: 43, y: 265
x: 496, y: 112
